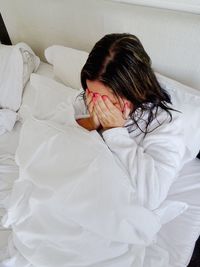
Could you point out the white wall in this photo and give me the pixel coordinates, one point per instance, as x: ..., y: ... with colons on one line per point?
x: 171, y: 38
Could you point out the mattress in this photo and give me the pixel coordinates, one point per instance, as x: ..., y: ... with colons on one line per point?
x: 177, y: 237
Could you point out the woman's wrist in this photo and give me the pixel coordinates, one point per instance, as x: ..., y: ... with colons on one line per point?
x: 91, y: 124
x: 88, y: 124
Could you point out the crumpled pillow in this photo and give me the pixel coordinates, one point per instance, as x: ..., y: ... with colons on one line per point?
x: 17, y: 64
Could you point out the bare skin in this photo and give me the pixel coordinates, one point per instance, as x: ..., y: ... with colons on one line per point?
x: 106, y: 111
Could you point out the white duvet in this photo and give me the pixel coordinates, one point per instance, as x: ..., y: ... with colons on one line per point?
x: 74, y: 205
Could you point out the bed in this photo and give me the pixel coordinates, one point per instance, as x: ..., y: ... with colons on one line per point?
x: 178, y: 236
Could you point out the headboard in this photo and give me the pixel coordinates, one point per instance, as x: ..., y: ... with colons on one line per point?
x: 4, y: 36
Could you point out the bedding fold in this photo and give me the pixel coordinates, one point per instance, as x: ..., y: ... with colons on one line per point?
x: 7, y: 120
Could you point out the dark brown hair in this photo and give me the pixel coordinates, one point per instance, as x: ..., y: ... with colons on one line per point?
x: 120, y: 62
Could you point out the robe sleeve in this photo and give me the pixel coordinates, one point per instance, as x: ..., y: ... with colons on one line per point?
x: 153, y: 164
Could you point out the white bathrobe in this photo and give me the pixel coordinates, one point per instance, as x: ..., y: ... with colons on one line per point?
x: 152, y: 162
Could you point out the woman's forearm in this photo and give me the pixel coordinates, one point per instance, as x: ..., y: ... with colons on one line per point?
x: 86, y: 123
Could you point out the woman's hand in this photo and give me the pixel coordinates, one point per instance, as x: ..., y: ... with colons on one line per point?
x: 108, y: 114
x: 93, y: 116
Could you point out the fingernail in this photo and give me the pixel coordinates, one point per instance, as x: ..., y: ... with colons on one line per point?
x: 105, y: 97
x: 125, y: 107
x: 95, y: 98
x: 96, y: 94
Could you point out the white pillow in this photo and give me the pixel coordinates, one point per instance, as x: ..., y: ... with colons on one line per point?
x: 186, y: 100
x: 45, y: 96
x: 30, y: 62
x: 67, y: 64
x: 17, y: 62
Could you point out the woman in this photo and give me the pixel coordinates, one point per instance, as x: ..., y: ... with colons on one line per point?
x: 133, y: 114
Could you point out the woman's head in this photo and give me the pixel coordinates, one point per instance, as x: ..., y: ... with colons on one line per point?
x: 98, y: 87
x: 120, y: 64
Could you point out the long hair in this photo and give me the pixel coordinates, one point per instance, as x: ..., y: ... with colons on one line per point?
x: 120, y: 62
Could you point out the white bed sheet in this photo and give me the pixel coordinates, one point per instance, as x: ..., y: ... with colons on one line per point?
x: 179, y: 235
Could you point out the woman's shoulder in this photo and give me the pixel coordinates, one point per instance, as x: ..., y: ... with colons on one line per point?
x: 171, y: 121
